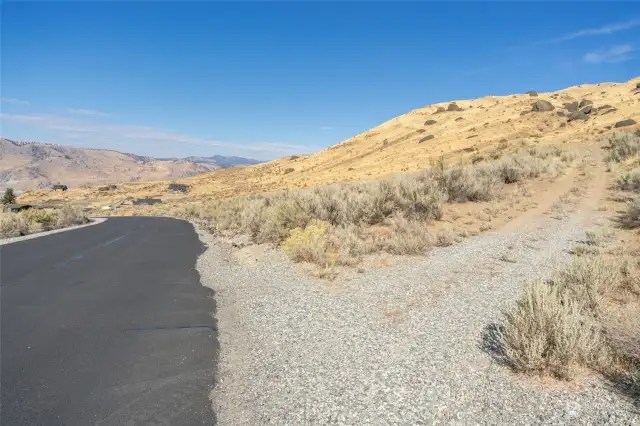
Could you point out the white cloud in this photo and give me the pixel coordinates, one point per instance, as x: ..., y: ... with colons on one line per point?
x: 604, y: 30
x: 75, y: 128
x: 86, y: 112
x: 617, y: 53
x: 13, y: 101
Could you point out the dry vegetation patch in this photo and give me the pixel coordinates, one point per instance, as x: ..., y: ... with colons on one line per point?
x: 36, y: 220
x: 588, y: 315
x: 336, y: 225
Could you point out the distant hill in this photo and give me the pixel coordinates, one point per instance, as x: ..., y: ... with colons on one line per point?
x: 220, y: 160
x: 464, y: 130
x: 31, y: 165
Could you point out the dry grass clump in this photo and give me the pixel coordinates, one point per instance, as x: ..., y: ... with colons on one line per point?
x: 35, y: 220
x: 587, y: 317
x: 346, y: 221
x: 548, y: 330
x: 629, y: 181
x: 560, y: 326
x: 623, y: 146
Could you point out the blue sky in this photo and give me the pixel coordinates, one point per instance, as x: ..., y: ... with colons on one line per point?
x: 265, y: 79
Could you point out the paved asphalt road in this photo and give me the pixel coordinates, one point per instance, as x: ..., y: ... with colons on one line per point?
x: 107, y: 325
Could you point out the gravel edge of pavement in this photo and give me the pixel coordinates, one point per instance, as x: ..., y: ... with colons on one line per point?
x: 259, y: 378
x: 94, y: 221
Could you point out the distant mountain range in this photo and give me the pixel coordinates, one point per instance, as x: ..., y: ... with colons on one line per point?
x: 30, y: 165
x: 220, y: 160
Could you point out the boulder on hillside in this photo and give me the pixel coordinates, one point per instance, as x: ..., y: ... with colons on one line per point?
x: 587, y: 109
x: 577, y: 115
x: 439, y: 110
x: 430, y: 122
x: 638, y: 85
x: 625, y: 123
x: 453, y: 107
x: 532, y: 93
x: 459, y: 118
x: 560, y: 113
x: 571, y: 106
x: 420, y: 131
x: 426, y: 138
x: 542, y: 106
x: 584, y: 103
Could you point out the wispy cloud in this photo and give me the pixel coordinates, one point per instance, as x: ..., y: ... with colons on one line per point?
x: 619, y: 53
x: 75, y: 128
x: 603, y: 30
x: 86, y: 112
x: 13, y: 101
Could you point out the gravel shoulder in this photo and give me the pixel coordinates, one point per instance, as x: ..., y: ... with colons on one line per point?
x: 398, y: 345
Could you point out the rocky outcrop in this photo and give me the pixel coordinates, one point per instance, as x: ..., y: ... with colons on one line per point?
x: 542, y: 106
x: 625, y: 123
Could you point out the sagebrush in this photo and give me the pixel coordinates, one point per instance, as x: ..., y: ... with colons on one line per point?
x: 392, y: 215
x: 37, y: 220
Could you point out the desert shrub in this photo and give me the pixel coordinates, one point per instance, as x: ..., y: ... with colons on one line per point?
x: 547, y: 330
x: 46, y: 219
x: 35, y: 220
x: 399, y: 208
x: 12, y: 225
x: 445, y: 237
x: 465, y: 183
x: 284, y: 215
x: 623, y: 146
x: 68, y: 216
x: 590, y: 280
x: 348, y: 242
x: 630, y: 217
x: 309, y: 244
x: 401, y: 236
x: 629, y: 181
x: 417, y: 198
x: 560, y: 325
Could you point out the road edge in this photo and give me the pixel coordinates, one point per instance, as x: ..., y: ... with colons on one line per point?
x: 94, y: 221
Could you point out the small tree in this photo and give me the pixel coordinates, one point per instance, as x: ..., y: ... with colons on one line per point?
x: 9, y: 197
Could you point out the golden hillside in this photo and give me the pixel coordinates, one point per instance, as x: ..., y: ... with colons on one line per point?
x: 410, y: 141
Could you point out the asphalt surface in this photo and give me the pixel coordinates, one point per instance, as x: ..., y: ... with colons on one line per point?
x: 107, y: 325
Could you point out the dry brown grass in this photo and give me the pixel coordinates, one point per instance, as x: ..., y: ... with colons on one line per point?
x: 336, y: 225
x: 623, y: 146
x: 34, y: 220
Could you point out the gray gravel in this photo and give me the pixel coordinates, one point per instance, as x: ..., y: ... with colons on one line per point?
x: 393, y: 346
